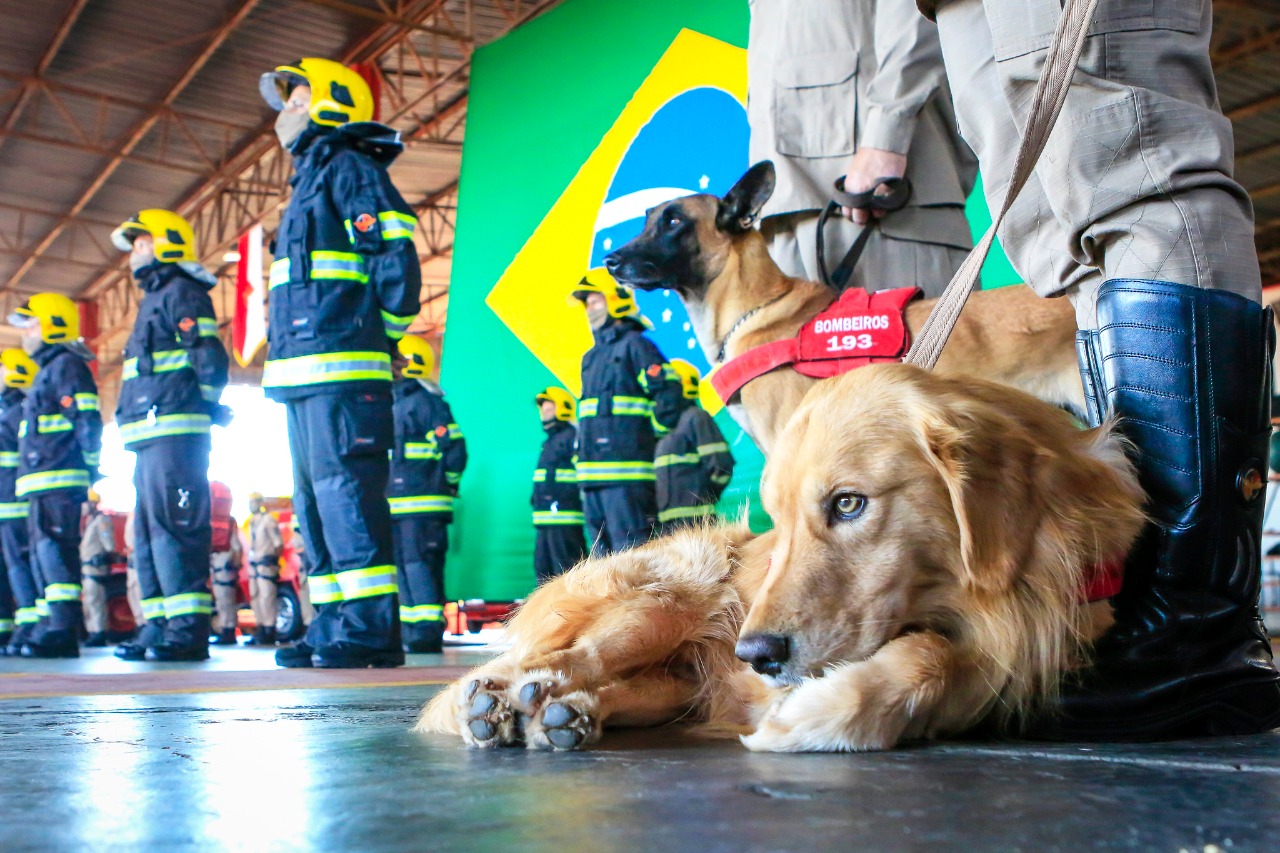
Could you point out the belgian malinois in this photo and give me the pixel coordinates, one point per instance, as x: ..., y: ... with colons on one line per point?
x: 708, y: 251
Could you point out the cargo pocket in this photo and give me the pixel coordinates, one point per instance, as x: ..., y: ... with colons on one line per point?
x: 815, y: 104
x: 365, y: 425
x: 301, y: 299
x: 1021, y: 28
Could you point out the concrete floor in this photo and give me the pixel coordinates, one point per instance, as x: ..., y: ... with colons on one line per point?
x: 225, y: 767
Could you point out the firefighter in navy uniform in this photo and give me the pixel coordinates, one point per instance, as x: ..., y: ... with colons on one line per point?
x: 59, y: 447
x: 557, y: 503
x: 19, y: 373
x: 344, y: 285
x: 629, y: 392
x: 175, y: 368
x: 693, y: 462
x: 426, y: 466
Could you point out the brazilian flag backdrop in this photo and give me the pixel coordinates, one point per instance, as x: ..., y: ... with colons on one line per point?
x: 577, y: 122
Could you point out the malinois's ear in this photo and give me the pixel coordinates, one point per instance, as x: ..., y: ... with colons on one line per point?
x: 741, y: 204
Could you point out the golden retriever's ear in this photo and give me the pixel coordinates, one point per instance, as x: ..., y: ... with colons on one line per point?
x: 988, y: 482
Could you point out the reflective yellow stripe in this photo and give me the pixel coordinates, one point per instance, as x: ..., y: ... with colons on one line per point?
x: 324, y: 589
x: 152, y: 608
x: 62, y: 592
x: 452, y: 477
x: 54, y: 423
x: 604, y: 472
x: 165, y: 425
x: 668, y: 459
x: 279, y: 273
x: 421, y: 450
x: 187, y: 603
x: 9, y: 459
x: 422, y: 613
x: 396, y: 225
x: 327, y: 367
x: 164, y: 361
x: 566, y: 475
x: 15, y: 510
x: 42, y: 608
x: 455, y: 432
x: 686, y: 512
x: 22, y: 428
x: 45, y: 481
x: 539, y: 475
x: 548, y: 518
x: 366, y: 583
x: 27, y: 616
x: 396, y: 324
x: 328, y: 265
x: 420, y: 503
x: 92, y: 459
x: 6, y: 626
x: 636, y: 406
x: 86, y: 402
x: 208, y: 327
x: 714, y: 447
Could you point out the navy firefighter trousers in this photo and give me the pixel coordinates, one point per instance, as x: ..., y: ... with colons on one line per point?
x: 339, y: 444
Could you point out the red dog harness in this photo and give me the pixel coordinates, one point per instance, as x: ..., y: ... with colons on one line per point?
x: 859, y: 328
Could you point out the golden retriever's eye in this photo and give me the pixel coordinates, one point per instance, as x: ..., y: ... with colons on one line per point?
x: 847, y: 506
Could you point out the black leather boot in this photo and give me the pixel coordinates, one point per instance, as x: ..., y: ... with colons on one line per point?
x: 225, y: 637
x: 1188, y: 374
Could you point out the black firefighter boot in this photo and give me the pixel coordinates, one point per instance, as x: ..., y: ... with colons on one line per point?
x: 1188, y: 373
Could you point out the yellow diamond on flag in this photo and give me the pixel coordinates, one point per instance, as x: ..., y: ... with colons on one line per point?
x: 532, y: 298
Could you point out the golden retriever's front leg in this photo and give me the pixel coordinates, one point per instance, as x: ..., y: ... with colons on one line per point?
x: 913, y: 687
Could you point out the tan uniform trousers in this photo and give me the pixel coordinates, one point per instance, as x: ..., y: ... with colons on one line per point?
x: 262, y: 592
x: 885, y: 263
x: 1136, y: 179
x: 225, y: 579
x: 94, y: 597
x: 133, y: 592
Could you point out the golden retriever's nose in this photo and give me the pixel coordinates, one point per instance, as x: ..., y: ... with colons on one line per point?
x: 765, y: 652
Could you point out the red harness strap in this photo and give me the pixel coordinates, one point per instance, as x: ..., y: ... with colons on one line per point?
x: 1104, y: 581
x: 859, y: 328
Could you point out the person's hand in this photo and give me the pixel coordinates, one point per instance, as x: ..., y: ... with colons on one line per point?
x: 866, y: 167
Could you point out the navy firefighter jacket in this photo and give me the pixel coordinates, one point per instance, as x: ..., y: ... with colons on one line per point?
x: 556, y: 499
x: 10, y: 422
x: 60, y: 437
x: 175, y: 367
x: 628, y: 392
x: 345, y: 280
x: 693, y: 464
x: 430, y: 453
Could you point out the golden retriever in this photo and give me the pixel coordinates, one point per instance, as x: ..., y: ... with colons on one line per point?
x: 932, y: 539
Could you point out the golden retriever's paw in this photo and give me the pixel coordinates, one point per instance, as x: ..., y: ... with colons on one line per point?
x: 566, y: 722
x: 804, y: 721
x: 535, y: 688
x: 486, y: 717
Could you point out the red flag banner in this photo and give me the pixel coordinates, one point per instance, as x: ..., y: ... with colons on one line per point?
x: 249, y: 328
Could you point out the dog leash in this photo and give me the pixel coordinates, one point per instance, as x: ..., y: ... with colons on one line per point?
x: 1046, y: 104
x: 899, y: 193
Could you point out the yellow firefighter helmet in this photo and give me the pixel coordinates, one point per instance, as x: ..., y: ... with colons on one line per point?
x: 690, y: 377
x: 58, y: 316
x: 93, y: 497
x: 564, y: 401
x: 19, y: 368
x: 175, y: 241
x: 620, y: 299
x: 338, y: 94
x: 420, y: 356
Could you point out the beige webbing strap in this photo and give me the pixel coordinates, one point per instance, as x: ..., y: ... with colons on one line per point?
x: 1046, y: 104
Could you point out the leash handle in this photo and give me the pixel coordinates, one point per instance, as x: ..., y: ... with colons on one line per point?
x: 1046, y: 104
x: 899, y: 193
